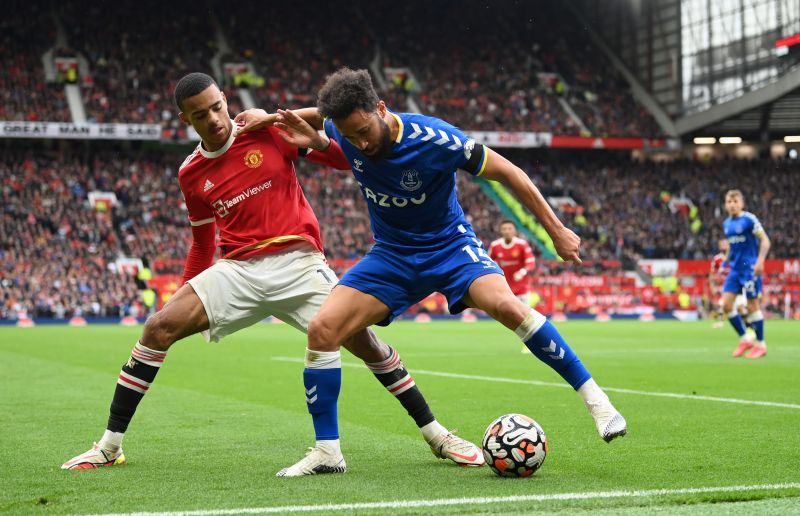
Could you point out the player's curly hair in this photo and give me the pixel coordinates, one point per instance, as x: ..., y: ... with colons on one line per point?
x: 190, y: 85
x: 345, y: 91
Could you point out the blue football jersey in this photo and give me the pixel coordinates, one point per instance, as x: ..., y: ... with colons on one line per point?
x: 411, y: 191
x: 742, y: 234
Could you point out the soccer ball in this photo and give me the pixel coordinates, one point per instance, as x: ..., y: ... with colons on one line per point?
x: 514, y: 446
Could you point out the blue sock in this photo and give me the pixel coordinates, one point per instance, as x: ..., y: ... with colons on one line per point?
x: 544, y: 341
x: 322, y: 378
x: 756, y: 320
x: 737, y: 323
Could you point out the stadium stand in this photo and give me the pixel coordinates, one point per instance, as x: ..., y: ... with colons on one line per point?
x: 53, y: 237
x: 478, y: 77
x: 294, y: 67
x: 24, y: 93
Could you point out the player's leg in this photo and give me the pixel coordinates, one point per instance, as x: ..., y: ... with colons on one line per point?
x: 491, y: 293
x: 755, y: 317
x: 525, y: 299
x: 183, y: 315
x: 394, y: 376
x: 730, y: 290
x: 345, y: 313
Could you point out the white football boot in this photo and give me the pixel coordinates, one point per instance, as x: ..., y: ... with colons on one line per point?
x: 315, y: 462
x: 610, y: 423
x: 462, y: 452
x: 96, y: 457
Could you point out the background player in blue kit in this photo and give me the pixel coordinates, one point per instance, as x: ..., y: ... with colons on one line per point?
x: 405, y: 165
x: 747, y: 250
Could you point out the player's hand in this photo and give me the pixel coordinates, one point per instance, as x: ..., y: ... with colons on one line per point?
x: 520, y: 274
x: 252, y: 119
x: 758, y: 268
x: 567, y: 244
x: 298, y: 132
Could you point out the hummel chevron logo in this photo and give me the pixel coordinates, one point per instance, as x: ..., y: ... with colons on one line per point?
x: 311, y: 399
x: 208, y: 186
x: 444, y: 139
x: 552, y: 349
x: 430, y: 134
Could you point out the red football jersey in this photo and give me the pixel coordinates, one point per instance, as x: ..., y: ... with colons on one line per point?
x: 511, y: 258
x: 249, y: 188
x: 716, y: 265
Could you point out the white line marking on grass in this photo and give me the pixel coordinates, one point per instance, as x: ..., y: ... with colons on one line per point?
x: 498, y: 379
x: 444, y: 502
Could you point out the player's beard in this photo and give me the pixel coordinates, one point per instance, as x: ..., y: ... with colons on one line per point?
x: 385, y: 141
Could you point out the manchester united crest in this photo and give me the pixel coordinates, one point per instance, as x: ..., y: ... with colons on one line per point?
x: 254, y: 158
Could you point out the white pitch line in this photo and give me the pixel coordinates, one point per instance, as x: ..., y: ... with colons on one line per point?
x: 497, y: 379
x: 444, y: 502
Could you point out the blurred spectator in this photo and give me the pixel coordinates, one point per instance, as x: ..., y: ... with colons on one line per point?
x: 24, y: 36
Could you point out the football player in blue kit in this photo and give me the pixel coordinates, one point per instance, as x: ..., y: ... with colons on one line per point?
x: 748, y: 246
x: 405, y: 165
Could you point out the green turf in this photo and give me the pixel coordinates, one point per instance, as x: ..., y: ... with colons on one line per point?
x: 221, y: 419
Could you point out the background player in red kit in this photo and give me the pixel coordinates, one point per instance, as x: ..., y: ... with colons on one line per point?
x: 515, y: 257
x: 272, y: 264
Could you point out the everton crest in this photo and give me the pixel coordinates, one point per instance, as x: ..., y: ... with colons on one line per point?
x: 410, y: 181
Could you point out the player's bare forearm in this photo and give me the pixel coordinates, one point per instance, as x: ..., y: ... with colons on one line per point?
x: 253, y: 119
x: 311, y: 116
x: 500, y: 169
x: 763, y: 247
x: 566, y: 242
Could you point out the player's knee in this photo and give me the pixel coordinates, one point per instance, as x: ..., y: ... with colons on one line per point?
x: 323, y: 335
x: 509, y: 310
x: 159, y: 333
x: 367, y: 346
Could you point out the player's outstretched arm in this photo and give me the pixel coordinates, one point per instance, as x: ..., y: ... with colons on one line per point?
x: 298, y: 132
x: 253, y: 119
x: 763, y: 248
x: 311, y: 116
x: 566, y: 242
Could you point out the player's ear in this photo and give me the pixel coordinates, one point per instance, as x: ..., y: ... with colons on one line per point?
x: 183, y: 118
x: 381, y: 105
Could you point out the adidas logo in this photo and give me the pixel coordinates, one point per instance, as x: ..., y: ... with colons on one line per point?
x: 208, y: 186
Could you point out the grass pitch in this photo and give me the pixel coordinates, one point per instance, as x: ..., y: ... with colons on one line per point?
x: 222, y: 419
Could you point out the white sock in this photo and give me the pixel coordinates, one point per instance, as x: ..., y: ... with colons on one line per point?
x: 111, y: 441
x: 330, y: 446
x: 432, y: 430
x: 592, y: 393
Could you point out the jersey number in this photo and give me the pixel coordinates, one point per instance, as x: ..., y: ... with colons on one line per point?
x: 472, y: 253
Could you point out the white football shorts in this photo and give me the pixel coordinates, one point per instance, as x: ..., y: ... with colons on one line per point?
x: 290, y: 285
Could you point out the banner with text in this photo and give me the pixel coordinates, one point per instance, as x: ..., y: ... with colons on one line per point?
x: 64, y: 130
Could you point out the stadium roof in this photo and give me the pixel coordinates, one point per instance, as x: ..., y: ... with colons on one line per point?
x: 774, y: 109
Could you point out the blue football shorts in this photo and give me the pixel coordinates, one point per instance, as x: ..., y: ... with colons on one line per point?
x: 743, y: 281
x: 401, y: 277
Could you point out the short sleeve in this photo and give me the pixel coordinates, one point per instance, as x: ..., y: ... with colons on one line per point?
x: 454, y: 149
x: 287, y: 149
x: 199, y: 212
x: 757, y: 227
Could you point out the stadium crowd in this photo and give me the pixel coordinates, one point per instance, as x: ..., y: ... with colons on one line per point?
x: 474, y: 75
x: 24, y: 93
x: 624, y: 211
x: 58, y: 252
